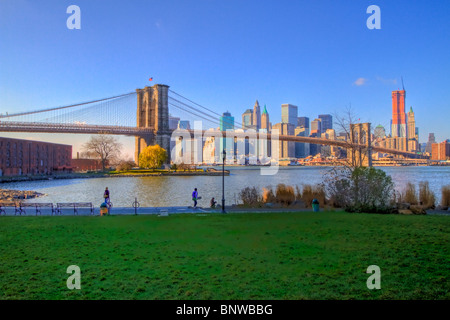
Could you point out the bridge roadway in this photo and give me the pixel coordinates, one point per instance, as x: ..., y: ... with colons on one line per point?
x: 10, y: 126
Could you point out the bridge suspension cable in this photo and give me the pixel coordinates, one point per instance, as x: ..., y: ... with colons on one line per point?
x: 198, y: 111
x: 190, y: 113
x: 63, y: 107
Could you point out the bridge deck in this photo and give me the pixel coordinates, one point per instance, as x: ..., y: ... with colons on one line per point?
x: 10, y: 126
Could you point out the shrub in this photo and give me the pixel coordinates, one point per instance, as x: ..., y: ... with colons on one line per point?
x: 426, y: 196
x: 410, y: 195
x: 298, y: 193
x: 284, y: 194
x: 249, y: 196
x: 125, y: 165
x: 307, y: 195
x: 313, y: 192
x: 360, y: 189
x: 183, y: 166
x: 268, y: 196
x: 445, y: 200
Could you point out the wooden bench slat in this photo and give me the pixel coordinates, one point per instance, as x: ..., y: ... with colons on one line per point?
x: 75, y: 206
x: 19, y: 207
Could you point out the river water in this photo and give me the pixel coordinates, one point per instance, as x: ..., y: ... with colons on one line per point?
x: 162, y: 191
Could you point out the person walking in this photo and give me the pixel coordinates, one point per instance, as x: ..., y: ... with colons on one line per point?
x: 106, y: 195
x: 195, y: 197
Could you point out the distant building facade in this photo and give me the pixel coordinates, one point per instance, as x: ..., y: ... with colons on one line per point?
x: 399, y: 126
x: 23, y: 157
x: 173, y: 122
x: 265, y: 123
x: 80, y: 165
x: 440, y: 151
x: 379, y: 132
x: 184, y: 124
x: 431, y: 140
x: 326, y: 121
x: 413, y: 132
x: 247, y: 119
x: 226, y: 122
x: 303, y: 122
x: 289, y: 114
x: 316, y: 127
x: 287, y: 148
x: 301, y: 149
x: 256, y: 116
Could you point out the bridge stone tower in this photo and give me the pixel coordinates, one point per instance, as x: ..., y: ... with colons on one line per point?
x: 153, y: 113
x: 360, y: 134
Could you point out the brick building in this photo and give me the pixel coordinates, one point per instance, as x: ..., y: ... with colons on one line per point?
x: 440, y: 151
x: 22, y: 157
x: 80, y: 165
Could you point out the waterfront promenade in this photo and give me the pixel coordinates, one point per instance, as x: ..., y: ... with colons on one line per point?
x: 165, y: 211
x: 162, y: 211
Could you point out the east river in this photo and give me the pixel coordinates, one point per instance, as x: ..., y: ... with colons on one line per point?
x: 162, y: 191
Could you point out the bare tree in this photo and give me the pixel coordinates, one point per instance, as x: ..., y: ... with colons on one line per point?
x: 103, y: 147
x: 356, y: 153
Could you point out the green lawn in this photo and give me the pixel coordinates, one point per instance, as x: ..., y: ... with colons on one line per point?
x: 235, y: 256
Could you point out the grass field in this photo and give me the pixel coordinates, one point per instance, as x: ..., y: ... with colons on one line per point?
x: 235, y: 256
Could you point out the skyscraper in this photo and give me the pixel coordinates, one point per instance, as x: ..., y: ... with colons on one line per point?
x: 287, y: 148
x: 173, y: 122
x: 247, y: 119
x: 265, y: 124
x: 327, y: 121
x: 399, y: 126
x: 303, y: 122
x: 316, y: 127
x: 226, y: 121
x: 411, y: 124
x: 301, y: 149
x: 413, y: 138
x: 379, y: 132
x: 431, y: 140
x: 289, y: 114
x: 184, y: 124
x: 256, y: 116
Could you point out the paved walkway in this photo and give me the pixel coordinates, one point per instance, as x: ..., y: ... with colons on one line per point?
x: 149, y: 210
x: 162, y: 211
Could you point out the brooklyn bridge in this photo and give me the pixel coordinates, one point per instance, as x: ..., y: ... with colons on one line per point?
x: 149, y: 122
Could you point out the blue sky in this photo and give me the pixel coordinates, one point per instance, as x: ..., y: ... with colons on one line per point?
x: 226, y: 54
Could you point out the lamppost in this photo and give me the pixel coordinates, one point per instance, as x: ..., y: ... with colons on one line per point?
x: 223, y: 180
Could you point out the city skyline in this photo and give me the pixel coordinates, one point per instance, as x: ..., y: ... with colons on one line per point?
x: 318, y: 56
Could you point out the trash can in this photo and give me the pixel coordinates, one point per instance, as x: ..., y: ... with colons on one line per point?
x: 315, y: 205
x: 103, y: 209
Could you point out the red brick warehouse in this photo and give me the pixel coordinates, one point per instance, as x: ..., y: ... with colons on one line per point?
x: 22, y: 157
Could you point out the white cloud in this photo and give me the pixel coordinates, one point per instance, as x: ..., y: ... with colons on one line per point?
x: 360, y: 82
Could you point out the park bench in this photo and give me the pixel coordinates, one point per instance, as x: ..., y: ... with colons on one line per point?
x: 37, y: 206
x: 75, y: 206
x: 15, y: 205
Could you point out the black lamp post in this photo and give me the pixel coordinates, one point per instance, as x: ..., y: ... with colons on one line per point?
x: 223, y: 180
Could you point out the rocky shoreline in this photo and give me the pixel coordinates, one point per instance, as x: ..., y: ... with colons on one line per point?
x: 12, y: 195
